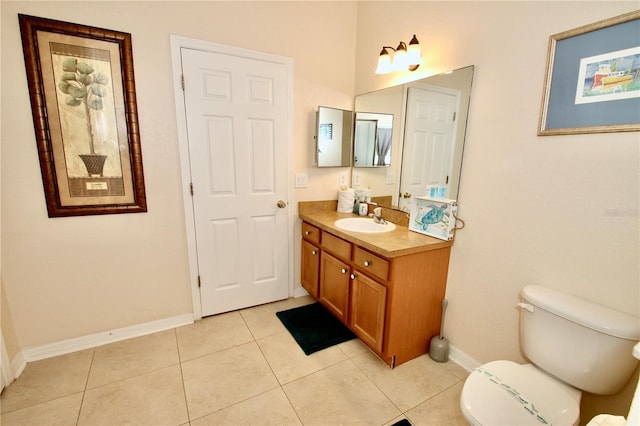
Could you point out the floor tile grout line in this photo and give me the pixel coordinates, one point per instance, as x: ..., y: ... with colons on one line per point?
x: 404, y: 412
x: 184, y: 389
x: 280, y: 384
x: 2, y: 411
x: 362, y: 370
x: 86, y: 384
x: 286, y: 395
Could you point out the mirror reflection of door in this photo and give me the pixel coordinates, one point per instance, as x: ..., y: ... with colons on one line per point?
x: 385, y: 182
x: 428, y: 142
x: 372, y: 140
x: 365, y: 142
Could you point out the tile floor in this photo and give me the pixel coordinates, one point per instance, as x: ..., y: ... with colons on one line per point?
x: 239, y: 368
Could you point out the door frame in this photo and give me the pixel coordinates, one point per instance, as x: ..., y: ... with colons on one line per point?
x: 177, y: 44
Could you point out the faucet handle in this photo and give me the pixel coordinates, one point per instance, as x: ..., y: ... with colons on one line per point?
x: 377, y: 211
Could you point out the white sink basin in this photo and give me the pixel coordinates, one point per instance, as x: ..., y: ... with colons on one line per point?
x: 363, y: 224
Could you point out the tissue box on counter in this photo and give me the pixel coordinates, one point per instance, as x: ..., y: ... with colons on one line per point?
x: 434, y: 217
x: 346, y: 199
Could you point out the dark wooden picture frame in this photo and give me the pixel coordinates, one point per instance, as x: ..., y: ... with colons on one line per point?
x: 83, y: 101
x: 573, y: 58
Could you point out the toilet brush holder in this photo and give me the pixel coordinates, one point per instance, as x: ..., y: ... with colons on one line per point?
x: 439, y: 346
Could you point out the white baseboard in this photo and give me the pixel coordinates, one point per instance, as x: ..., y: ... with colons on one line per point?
x: 18, y: 363
x: 99, y: 339
x: 462, y: 359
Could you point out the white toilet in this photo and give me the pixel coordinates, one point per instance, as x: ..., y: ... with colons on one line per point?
x: 574, y: 345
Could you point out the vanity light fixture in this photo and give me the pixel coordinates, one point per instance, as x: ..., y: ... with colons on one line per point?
x: 403, y: 58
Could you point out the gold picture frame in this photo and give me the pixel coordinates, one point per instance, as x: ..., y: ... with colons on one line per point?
x: 83, y: 102
x: 575, y: 99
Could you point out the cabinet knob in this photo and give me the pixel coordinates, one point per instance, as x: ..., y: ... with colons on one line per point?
x: 307, y: 232
x: 314, y: 252
x: 344, y: 271
x: 353, y: 276
x: 367, y: 263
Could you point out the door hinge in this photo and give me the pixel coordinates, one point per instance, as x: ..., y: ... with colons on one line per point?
x: 191, y: 188
x: 393, y: 361
x: 447, y: 181
x: 199, y: 282
x: 182, y: 81
x: 454, y: 112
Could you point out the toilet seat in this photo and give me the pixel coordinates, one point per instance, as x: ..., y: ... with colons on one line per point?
x: 507, y: 393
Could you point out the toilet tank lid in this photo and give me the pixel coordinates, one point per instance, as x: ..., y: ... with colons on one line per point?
x: 584, y: 312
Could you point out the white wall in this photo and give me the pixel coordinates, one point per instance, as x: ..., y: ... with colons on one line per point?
x: 560, y: 211
x: 69, y: 277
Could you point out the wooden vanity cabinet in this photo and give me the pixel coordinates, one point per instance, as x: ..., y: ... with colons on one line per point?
x: 352, y: 296
x: 334, y: 285
x: 310, y: 268
x: 394, y: 305
x: 335, y: 275
x: 367, y: 309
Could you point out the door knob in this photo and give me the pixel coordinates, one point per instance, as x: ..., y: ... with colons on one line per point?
x: 282, y: 204
x: 406, y: 195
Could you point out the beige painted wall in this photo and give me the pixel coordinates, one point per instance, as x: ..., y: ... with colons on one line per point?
x: 560, y: 211
x: 70, y: 277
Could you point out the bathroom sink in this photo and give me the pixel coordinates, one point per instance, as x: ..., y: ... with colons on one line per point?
x: 363, y: 224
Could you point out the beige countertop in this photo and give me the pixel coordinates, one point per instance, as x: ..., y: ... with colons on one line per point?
x: 398, y: 242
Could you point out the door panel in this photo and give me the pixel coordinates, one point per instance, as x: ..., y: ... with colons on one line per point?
x: 237, y: 117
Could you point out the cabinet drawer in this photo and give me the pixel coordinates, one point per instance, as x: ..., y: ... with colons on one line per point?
x: 373, y: 264
x: 337, y: 246
x: 311, y: 233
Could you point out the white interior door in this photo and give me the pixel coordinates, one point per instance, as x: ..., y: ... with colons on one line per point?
x: 428, y: 142
x: 237, y: 118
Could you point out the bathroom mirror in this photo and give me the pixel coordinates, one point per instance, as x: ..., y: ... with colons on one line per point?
x: 333, y: 137
x: 372, y: 140
x: 430, y: 117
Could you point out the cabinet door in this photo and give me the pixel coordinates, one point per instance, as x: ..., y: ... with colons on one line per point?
x: 334, y: 285
x: 310, y: 268
x: 368, y: 301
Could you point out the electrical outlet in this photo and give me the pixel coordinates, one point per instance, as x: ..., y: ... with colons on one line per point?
x: 302, y: 180
x: 343, y: 179
x: 356, y: 179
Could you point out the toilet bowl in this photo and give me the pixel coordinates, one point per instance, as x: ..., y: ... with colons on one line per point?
x: 572, y: 344
x: 506, y: 393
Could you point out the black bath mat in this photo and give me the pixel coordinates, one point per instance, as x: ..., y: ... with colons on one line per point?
x: 314, y: 328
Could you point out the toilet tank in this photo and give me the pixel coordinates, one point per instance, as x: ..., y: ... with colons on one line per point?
x: 584, y: 344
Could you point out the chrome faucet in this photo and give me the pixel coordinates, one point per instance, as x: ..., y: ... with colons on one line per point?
x: 377, y: 216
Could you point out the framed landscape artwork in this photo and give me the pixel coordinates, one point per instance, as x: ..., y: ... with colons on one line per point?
x: 83, y: 101
x: 592, y: 82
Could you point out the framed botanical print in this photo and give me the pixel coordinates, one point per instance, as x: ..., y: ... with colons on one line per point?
x: 83, y: 102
